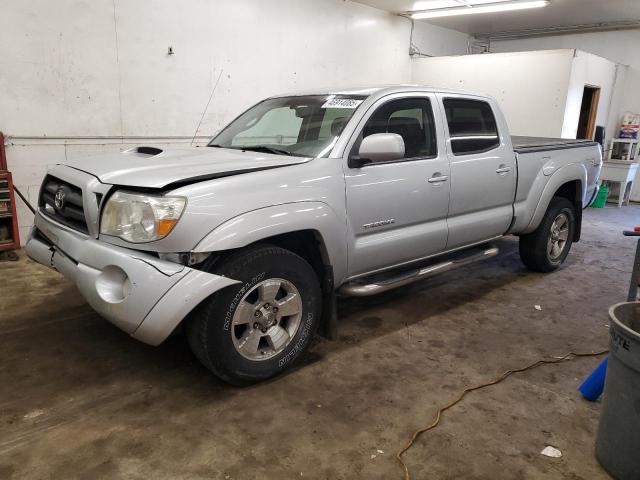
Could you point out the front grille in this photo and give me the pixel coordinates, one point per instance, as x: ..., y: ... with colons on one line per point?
x: 70, y: 209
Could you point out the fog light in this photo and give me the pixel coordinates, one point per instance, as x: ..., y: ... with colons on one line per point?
x: 113, y: 284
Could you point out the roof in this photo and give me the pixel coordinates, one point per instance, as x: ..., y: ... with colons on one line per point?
x: 370, y: 90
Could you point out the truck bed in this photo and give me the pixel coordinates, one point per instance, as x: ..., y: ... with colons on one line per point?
x: 540, y: 144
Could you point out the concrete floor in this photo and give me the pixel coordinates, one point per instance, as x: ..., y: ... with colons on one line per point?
x: 80, y: 399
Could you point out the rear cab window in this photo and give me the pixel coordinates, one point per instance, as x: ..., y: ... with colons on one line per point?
x: 472, y: 126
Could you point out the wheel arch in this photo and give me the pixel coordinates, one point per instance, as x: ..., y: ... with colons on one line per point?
x: 309, y: 229
x: 312, y: 230
x: 568, y: 182
x: 573, y: 191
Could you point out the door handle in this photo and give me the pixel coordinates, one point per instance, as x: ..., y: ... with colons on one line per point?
x: 437, y: 178
x: 503, y: 169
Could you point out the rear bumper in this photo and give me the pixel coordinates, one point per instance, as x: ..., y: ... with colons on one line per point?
x: 139, y: 293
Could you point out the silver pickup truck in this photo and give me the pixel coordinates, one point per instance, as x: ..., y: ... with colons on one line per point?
x: 246, y: 242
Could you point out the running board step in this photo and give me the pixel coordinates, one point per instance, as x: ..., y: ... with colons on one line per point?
x: 383, y: 282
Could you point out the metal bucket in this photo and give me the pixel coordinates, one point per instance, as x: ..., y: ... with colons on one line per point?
x: 618, y: 443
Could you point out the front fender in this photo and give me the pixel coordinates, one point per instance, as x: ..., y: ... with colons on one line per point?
x: 256, y: 225
x: 568, y: 173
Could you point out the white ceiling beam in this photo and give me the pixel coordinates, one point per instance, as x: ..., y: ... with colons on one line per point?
x: 559, y: 30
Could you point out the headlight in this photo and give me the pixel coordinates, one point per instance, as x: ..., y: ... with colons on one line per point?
x: 140, y: 218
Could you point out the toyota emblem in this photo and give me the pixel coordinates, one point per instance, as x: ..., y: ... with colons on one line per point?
x: 59, y: 199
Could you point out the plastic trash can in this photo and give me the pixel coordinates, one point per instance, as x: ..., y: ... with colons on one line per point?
x: 618, y: 442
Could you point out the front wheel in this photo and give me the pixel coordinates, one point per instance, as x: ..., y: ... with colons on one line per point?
x: 254, y: 330
x: 547, y: 247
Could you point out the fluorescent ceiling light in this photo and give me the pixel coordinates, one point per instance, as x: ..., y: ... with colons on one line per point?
x: 435, y: 4
x: 487, y: 8
x: 438, y: 4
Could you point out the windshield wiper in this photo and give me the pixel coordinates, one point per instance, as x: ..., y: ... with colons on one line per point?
x: 263, y: 148
x: 256, y: 148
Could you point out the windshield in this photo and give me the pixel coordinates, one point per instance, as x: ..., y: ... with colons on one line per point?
x: 306, y: 126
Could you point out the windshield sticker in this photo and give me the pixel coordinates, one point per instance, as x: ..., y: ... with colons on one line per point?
x: 342, y: 103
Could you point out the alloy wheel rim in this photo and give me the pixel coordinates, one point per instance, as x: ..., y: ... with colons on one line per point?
x: 266, y: 319
x: 558, y: 236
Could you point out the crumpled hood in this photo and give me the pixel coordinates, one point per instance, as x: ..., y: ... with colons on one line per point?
x: 155, y: 167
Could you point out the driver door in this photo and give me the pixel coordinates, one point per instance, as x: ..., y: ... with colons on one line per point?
x: 397, y: 211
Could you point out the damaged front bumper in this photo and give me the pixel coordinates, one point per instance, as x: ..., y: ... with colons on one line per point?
x: 139, y: 293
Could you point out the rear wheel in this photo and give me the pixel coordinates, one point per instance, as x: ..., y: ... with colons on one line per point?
x: 257, y: 329
x: 547, y: 247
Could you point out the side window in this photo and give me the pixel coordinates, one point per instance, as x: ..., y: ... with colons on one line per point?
x: 412, y: 119
x: 472, y: 126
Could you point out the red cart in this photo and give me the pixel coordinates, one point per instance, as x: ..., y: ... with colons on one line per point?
x: 9, y: 233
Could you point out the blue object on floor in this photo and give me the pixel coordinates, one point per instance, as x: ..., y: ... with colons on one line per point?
x: 593, y: 386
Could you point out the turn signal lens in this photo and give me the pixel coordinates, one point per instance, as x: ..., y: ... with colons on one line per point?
x: 165, y: 226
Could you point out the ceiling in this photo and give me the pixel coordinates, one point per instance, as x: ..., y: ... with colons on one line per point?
x: 559, y: 13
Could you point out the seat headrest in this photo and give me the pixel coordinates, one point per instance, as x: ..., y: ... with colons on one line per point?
x: 338, y: 125
x: 410, y: 130
x: 408, y: 123
x: 467, y: 125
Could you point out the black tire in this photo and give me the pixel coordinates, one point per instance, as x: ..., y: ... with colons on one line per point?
x: 210, y: 327
x: 534, y: 250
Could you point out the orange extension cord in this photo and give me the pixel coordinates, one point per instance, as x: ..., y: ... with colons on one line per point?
x: 499, y: 379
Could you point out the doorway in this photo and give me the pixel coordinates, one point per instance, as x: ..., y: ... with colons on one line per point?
x: 588, y: 111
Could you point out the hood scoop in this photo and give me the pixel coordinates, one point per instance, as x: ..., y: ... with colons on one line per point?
x: 145, y: 151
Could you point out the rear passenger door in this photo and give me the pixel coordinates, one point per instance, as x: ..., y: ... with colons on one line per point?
x: 483, y: 171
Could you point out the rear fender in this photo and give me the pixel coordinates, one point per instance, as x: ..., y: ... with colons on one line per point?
x: 568, y: 173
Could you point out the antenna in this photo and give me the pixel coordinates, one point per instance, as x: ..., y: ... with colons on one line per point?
x: 205, y: 108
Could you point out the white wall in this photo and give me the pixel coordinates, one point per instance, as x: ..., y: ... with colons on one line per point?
x: 531, y: 87
x: 617, y: 46
x: 588, y: 69
x: 95, y: 66
x: 100, y: 68
x: 437, y: 41
x: 539, y: 92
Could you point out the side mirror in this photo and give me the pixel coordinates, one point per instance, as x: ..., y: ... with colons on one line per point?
x: 379, y: 147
